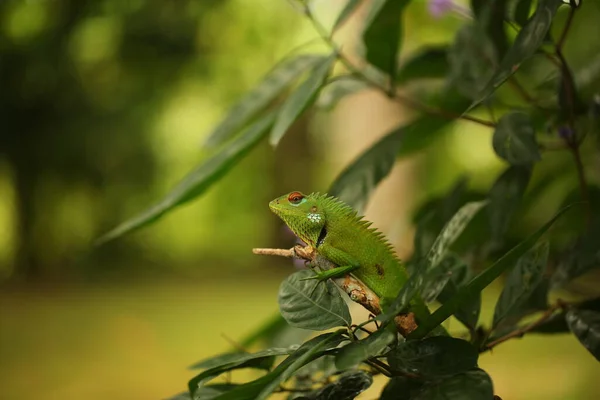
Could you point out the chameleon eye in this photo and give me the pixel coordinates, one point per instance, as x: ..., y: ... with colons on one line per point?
x: 295, y: 197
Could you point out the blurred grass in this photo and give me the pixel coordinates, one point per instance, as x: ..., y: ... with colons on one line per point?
x: 135, y: 342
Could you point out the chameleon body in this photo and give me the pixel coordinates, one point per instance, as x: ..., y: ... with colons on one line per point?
x: 341, y: 236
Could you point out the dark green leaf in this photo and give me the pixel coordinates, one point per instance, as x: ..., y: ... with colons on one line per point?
x: 472, y: 59
x: 340, y: 88
x: 241, y: 357
x: 358, y: 180
x: 468, y: 313
x: 262, y: 387
x: 261, y: 96
x: 349, y: 8
x: 200, y: 179
x: 451, y: 232
x: 517, y: 298
x: 582, y: 257
x: 181, y: 396
x: 356, y: 352
x: 430, y: 62
x: 474, y: 288
x: 514, y: 139
x: 209, y: 392
x: 487, y: 16
x: 505, y: 196
x: 350, y: 385
x: 522, y: 11
x: 310, y: 304
x: 301, y: 98
x: 433, y: 357
x: 382, y: 34
x: 407, y: 293
x: 400, y: 388
x: 437, y: 279
x: 527, y: 42
x: 471, y: 385
x: 585, y: 324
x: 221, y: 364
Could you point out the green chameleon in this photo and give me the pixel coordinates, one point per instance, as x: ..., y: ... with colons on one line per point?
x: 339, y: 235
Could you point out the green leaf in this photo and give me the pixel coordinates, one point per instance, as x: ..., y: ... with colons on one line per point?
x: 585, y: 324
x: 429, y: 62
x: 350, y: 385
x: 207, y: 392
x: 522, y: 11
x: 200, y: 179
x: 359, y: 179
x: 354, y: 353
x: 261, y: 96
x: 241, y: 357
x: 487, y: 14
x: 382, y: 34
x: 514, y: 139
x: 451, y: 232
x: 527, y: 42
x: 468, y: 313
x: 335, y: 91
x: 433, y: 357
x: 582, y: 257
x: 220, y: 364
x: 471, y: 385
x: 347, y: 11
x: 309, y: 304
x: 437, y: 279
x: 401, y: 388
x: 472, y: 58
x: 481, y: 281
x: 302, y: 98
x: 517, y: 298
x: 262, y: 387
x: 505, y: 196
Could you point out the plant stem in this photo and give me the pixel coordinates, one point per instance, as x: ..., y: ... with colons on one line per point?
x: 379, y: 366
x: 522, y: 331
x: 412, y: 103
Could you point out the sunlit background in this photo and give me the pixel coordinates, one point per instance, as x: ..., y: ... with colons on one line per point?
x: 104, y: 106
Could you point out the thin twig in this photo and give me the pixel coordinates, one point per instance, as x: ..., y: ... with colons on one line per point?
x: 412, y: 103
x: 522, y: 331
x: 378, y: 367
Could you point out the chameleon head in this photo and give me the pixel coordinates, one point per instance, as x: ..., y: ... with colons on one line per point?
x: 302, y: 214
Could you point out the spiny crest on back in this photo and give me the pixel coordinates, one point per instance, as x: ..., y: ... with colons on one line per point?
x: 334, y: 205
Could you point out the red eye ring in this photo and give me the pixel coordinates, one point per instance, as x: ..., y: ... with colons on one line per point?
x: 295, y: 197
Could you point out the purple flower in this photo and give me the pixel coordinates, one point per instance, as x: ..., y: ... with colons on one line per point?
x: 437, y: 8
x: 565, y: 132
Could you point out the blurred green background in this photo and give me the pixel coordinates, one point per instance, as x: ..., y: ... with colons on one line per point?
x: 103, y: 107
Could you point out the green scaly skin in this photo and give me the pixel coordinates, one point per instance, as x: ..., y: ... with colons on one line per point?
x: 338, y: 234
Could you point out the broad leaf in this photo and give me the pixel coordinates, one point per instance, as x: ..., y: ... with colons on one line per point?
x: 505, y: 196
x: 382, y: 34
x: 401, y: 388
x: 433, y: 357
x: 451, y: 232
x: 521, y: 287
x: 309, y: 304
x: 200, y: 179
x: 468, y: 313
x: 522, y: 11
x: 347, y: 387
x: 430, y: 62
x: 260, y: 97
x: 582, y: 257
x: 527, y: 42
x: 241, y: 357
x: 356, y: 352
x: 481, y: 281
x: 585, y: 324
x: 347, y: 11
x: 514, y: 139
x: 472, y: 59
x: 359, y: 179
x: 486, y: 17
x: 301, y: 98
x: 471, y: 385
x: 262, y: 388
x: 437, y: 279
